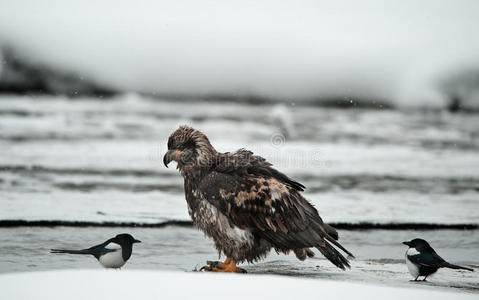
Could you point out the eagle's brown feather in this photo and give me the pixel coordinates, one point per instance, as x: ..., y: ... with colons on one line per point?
x: 287, y: 222
x: 246, y: 192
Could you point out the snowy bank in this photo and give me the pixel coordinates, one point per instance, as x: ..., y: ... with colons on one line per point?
x: 101, y: 161
x: 111, y: 284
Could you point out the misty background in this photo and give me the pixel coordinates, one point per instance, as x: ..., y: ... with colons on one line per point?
x: 405, y: 53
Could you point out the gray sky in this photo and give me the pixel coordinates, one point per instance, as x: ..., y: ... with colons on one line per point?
x: 392, y: 49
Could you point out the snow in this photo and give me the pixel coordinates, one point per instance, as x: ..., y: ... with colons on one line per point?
x: 92, y: 160
x: 375, y: 49
x: 96, y: 182
x: 379, y: 254
x: 158, y: 206
x: 108, y: 284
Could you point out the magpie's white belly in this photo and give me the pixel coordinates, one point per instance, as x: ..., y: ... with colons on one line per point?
x: 112, y: 259
x: 413, y: 269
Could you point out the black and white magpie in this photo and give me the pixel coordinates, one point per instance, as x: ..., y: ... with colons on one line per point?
x: 113, y: 253
x: 422, y: 260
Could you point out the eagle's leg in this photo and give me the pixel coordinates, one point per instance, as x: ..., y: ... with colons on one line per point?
x: 228, y: 265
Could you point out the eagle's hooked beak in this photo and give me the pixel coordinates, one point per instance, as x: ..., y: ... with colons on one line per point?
x: 171, y: 155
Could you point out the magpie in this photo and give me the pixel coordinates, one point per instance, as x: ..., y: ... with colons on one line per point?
x: 113, y: 253
x: 422, y: 260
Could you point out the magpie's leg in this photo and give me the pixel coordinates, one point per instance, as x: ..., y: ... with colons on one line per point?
x: 228, y: 265
x: 425, y: 278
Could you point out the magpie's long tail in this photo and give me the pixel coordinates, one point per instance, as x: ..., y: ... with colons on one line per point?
x: 84, y: 251
x: 451, y: 266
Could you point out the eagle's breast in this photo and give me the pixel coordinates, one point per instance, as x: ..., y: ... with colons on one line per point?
x: 235, y: 242
x: 215, y: 224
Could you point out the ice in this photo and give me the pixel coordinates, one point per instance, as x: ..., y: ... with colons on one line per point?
x: 171, y: 285
x: 96, y: 160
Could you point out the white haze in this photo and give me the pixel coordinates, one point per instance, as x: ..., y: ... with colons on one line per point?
x: 395, y: 50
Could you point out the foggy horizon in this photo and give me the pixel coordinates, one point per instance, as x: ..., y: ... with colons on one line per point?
x: 399, y: 51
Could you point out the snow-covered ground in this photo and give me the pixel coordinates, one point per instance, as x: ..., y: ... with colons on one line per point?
x: 379, y: 254
x: 172, y: 285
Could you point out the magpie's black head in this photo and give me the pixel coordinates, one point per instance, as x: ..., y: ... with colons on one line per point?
x: 420, y: 245
x: 125, y: 239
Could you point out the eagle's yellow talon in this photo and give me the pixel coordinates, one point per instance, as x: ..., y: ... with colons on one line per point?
x: 228, y: 265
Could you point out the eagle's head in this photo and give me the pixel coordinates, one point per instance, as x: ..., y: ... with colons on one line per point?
x: 190, y: 148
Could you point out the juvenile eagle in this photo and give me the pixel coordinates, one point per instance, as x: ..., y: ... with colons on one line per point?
x: 246, y: 205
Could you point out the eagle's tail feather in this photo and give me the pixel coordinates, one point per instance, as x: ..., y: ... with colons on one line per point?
x: 335, y: 243
x: 331, y: 231
x: 323, y: 229
x: 333, y: 256
x: 451, y: 266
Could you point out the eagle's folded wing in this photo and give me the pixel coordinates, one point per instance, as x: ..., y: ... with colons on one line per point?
x: 273, y: 210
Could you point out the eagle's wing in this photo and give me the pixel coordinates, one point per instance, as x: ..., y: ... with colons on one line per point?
x: 273, y: 210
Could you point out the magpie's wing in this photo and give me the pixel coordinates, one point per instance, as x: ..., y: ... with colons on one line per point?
x: 427, y: 259
x: 100, y: 249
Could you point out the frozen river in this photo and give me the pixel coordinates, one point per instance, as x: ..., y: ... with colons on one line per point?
x: 100, y: 160
x: 379, y: 254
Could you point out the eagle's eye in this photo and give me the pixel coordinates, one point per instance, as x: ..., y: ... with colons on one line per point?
x: 170, y: 143
x: 188, y: 145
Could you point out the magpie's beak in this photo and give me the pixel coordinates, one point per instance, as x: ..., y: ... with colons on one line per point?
x: 407, y: 243
x: 136, y: 241
x: 171, y: 155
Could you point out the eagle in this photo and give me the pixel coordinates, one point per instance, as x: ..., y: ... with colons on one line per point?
x: 246, y: 206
